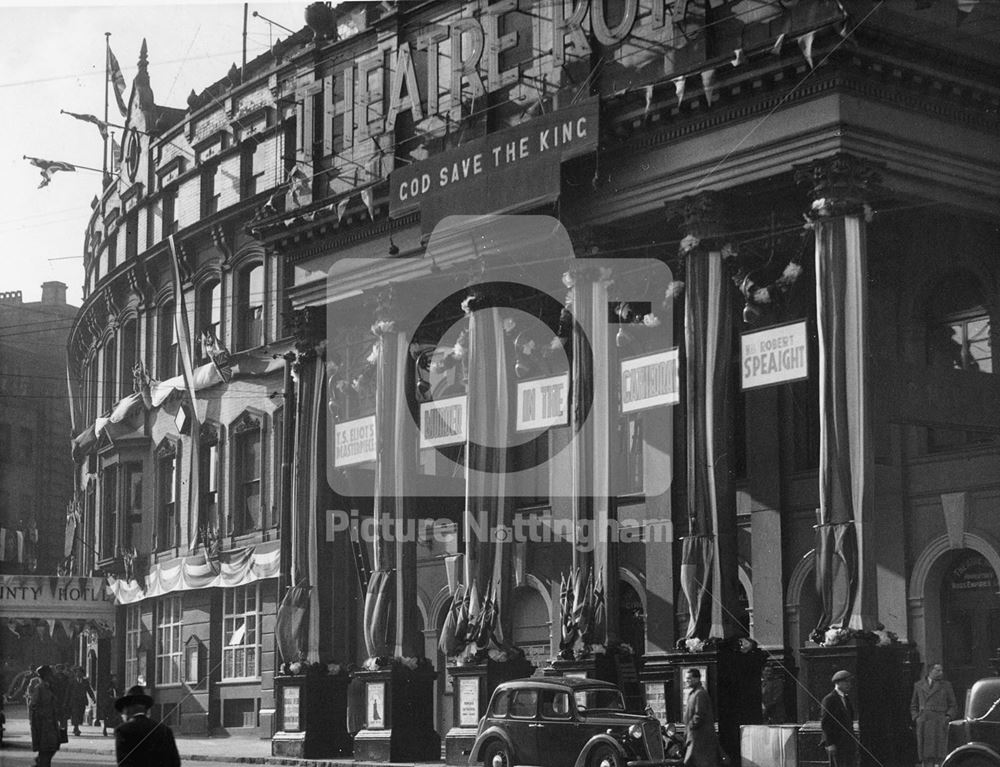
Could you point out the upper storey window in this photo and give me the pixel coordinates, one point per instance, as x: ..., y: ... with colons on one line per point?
x: 167, y: 347
x: 958, y: 326
x: 209, y: 310
x: 250, y: 307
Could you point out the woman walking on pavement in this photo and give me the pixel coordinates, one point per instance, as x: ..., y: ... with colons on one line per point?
x: 42, y: 716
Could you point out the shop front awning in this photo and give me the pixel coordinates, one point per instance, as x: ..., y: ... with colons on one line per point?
x: 73, y: 603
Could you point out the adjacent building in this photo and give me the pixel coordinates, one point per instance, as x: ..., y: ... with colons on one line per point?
x: 749, y: 326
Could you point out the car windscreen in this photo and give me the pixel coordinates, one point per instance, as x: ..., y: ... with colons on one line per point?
x: 608, y: 700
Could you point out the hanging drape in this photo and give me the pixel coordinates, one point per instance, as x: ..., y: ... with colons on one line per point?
x: 845, y: 472
x: 488, y: 556
x: 710, y: 545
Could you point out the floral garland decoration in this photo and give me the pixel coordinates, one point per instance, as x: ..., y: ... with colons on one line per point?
x: 836, y: 636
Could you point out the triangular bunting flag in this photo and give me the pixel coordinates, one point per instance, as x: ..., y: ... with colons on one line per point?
x: 708, y: 83
x: 806, y: 46
x: 680, y: 83
x: 738, y: 57
x: 649, y: 100
x: 342, y: 208
x: 776, y: 48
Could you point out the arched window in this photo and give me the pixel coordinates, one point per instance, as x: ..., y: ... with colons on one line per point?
x: 247, y: 475
x: 531, y: 623
x: 167, y: 348
x: 129, y: 356
x: 250, y: 307
x: 958, y: 326
x: 209, y: 308
x: 110, y: 372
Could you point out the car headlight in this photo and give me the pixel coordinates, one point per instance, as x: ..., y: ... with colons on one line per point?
x: 635, y: 731
x: 671, y: 730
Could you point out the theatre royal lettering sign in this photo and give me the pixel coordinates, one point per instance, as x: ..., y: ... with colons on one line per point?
x: 504, y: 64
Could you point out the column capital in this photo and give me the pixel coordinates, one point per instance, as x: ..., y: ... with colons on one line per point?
x: 308, y: 326
x: 842, y: 184
x: 705, y: 215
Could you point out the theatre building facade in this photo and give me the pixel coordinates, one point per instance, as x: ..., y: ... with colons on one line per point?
x: 614, y: 338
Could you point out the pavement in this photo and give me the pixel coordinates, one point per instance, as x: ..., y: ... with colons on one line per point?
x: 235, y: 749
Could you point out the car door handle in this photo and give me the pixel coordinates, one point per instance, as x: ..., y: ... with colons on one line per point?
x: 536, y: 725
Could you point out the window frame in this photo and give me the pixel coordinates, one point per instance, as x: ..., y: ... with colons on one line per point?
x: 133, y: 638
x: 169, y: 627
x: 167, y: 535
x: 168, y: 347
x: 230, y: 623
x: 242, y: 431
x: 245, y: 336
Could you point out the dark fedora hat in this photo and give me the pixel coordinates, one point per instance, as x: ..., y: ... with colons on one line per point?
x: 136, y: 696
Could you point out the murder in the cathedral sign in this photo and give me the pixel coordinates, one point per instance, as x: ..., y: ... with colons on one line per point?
x: 774, y: 355
x: 499, y: 171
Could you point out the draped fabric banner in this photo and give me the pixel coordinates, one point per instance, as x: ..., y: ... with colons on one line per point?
x: 380, y: 599
x: 581, y: 398
x: 845, y: 470
x: 489, y: 430
x: 316, y: 472
x: 710, y: 589
x: 290, y: 627
x: 235, y: 568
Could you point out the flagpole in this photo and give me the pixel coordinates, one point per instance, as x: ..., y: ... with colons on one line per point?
x: 107, y: 76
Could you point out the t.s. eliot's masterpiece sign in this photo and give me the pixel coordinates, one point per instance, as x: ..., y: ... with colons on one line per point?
x: 443, y: 422
x: 354, y: 441
x: 774, y: 355
x: 541, y: 403
x: 650, y: 381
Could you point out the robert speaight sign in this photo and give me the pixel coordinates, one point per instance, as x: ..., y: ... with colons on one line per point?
x: 774, y: 355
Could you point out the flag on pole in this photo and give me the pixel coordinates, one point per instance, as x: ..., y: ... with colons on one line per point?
x: 116, y: 157
x: 101, y: 125
x: 183, y: 330
x: 118, y: 80
x: 48, y: 167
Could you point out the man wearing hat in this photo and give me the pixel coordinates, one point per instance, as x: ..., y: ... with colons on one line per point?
x: 837, y: 722
x: 141, y: 742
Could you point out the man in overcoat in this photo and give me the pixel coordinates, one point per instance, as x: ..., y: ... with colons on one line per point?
x: 699, y: 721
x: 932, y: 706
x: 43, y: 716
x: 837, y: 722
x: 140, y: 741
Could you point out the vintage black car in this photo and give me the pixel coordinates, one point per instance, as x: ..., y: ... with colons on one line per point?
x: 975, y: 740
x: 565, y: 722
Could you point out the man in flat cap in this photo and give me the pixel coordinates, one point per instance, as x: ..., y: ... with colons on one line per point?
x: 837, y: 722
x: 141, y: 742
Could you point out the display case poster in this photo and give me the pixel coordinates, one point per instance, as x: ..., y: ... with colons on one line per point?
x: 376, y: 705
x: 468, y: 701
x: 656, y: 699
x: 290, y: 708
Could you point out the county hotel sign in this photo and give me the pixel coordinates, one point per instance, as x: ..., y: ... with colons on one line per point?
x: 53, y: 597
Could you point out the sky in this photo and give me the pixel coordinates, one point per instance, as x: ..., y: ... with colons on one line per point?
x: 52, y: 58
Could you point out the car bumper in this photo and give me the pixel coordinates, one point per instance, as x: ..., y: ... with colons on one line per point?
x: 654, y: 762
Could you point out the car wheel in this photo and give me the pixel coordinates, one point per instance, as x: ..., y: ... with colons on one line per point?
x: 604, y: 756
x: 497, y: 755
